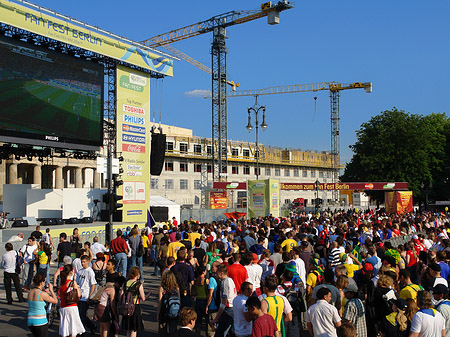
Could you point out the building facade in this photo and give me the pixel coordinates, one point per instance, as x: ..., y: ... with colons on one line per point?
x: 187, y: 169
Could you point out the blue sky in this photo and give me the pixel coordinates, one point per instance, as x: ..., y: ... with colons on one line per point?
x: 400, y: 46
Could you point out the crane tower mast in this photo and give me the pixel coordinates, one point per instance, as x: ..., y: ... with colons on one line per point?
x: 334, y: 88
x: 218, y: 25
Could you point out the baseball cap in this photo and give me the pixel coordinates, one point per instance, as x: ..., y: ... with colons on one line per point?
x: 440, y: 289
x: 435, y: 267
x: 400, y: 303
x: 255, y: 258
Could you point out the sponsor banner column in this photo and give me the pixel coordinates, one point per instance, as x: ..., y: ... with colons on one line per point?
x: 133, y: 106
x: 256, y: 198
x: 273, y: 197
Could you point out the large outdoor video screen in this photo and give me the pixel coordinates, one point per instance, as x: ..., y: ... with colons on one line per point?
x: 49, y: 98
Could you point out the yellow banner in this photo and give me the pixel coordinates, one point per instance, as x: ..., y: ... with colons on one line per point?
x: 133, y: 119
x: 274, y: 196
x: 63, y: 30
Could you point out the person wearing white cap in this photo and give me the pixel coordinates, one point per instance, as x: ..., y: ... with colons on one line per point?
x: 354, y: 310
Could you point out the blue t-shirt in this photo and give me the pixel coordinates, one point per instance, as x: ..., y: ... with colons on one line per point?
x: 213, y: 285
x: 445, y: 269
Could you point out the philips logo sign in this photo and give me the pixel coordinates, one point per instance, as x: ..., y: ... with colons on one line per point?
x: 133, y: 119
x: 139, y: 80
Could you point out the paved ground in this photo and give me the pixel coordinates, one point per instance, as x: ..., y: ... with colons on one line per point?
x: 13, y: 321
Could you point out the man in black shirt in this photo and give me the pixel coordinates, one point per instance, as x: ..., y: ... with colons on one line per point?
x: 37, y: 233
x: 199, y: 253
x: 187, y: 243
x: 111, y: 274
x: 64, y: 249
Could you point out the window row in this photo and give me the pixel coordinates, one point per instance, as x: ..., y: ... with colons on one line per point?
x: 169, y: 184
x: 183, y: 167
x: 197, y: 148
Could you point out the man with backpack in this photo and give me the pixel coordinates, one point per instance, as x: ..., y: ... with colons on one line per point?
x: 296, y: 295
x: 213, y: 298
x: 355, y: 311
x: 409, y: 289
x: 9, y: 264
x: 184, y: 274
x: 224, y: 317
x: 29, y: 261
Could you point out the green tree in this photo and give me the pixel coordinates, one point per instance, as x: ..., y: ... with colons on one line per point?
x: 398, y: 146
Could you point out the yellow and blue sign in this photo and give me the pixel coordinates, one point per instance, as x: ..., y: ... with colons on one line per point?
x: 66, y: 31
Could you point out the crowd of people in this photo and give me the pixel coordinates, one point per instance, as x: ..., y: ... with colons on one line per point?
x: 326, y: 274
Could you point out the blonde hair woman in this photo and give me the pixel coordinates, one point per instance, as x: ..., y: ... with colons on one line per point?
x: 168, y: 288
x: 341, y: 284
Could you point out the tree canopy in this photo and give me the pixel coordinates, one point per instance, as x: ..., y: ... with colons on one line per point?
x: 398, y: 146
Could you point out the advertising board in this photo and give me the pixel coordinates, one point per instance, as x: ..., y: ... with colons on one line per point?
x: 133, y: 110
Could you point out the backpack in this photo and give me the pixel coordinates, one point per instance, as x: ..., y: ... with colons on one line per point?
x: 319, y: 277
x: 19, y: 262
x: 297, y: 300
x: 125, y: 306
x: 171, y: 305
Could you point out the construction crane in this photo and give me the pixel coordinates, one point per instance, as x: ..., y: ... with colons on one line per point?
x: 334, y: 88
x: 218, y: 25
x: 197, y: 64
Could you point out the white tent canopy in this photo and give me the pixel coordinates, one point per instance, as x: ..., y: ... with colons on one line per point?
x: 174, y: 208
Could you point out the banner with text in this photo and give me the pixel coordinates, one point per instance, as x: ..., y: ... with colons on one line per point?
x: 133, y: 110
x: 81, y: 36
x: 256, y: 195
x: 383, y: 186
x: 218, y: 200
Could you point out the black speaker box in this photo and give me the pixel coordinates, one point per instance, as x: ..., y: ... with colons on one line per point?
x: 48, y: 222
x: 20, y: 223
x: 157, y: 154
x: 59, y: 221
x: 72, y: 221
x: 87, y: 219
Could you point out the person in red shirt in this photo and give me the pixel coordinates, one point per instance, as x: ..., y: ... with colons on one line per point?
x: 263, y: 324
x: 119, y: 248
x: 237, y: 272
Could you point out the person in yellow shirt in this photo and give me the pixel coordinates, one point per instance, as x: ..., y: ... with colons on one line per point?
x: 351, y: 267
x: 409, y: 289
x: 175, y: 246
x: 145, y: 244
x: 194, y: 235
x: 314, y: 277
x: 289, y: 243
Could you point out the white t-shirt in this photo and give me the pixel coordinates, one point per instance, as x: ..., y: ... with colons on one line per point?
x: 97, y: 248
x: 251, y: 275
x: 46, y: 238
x: 427, y: 325
x: 27, y: 252
x: 241, y: 326
x: 301, y: 270
x: 229, y: 291
x: 258, y: 273
x: 85, y: 278
x: 322, y: 316
x: 9, y: 261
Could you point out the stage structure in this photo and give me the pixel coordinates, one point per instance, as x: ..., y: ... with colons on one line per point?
x: 54, y: 74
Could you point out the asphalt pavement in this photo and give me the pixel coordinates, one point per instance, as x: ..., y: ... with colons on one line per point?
x: 13, y: 318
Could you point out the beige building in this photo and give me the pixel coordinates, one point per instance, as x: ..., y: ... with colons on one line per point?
x: 188, y: 163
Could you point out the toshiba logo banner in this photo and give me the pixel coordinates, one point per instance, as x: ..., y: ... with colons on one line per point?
x: 133, y: 102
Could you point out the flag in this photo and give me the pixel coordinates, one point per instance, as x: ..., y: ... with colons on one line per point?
x: 150, y: 221
x: 355, y: 253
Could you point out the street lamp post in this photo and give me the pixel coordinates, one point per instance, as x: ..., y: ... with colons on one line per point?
x: 256, y: 109
x: 317, y: 183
